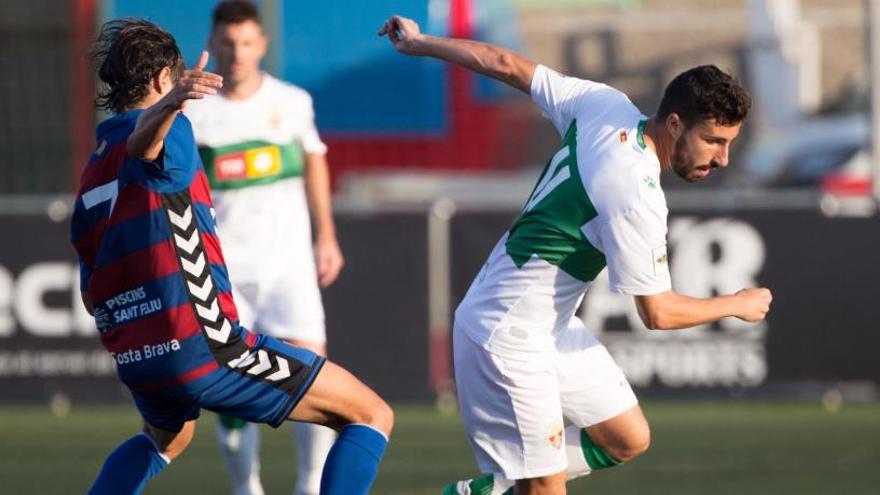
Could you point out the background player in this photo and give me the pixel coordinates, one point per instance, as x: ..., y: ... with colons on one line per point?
x: 153, y: 276
x: 259, y: 145
x: 523, y: 361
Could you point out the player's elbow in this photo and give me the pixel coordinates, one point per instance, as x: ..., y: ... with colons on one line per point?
x: 654, y: 313
x: 509, y: 68
x: 148, y: 152
x: 657, y: 320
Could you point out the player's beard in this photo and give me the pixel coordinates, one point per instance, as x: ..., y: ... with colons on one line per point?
x: 684, y: 164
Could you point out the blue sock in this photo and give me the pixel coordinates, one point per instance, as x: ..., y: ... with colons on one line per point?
x: 129, y: 467
x: 353, y: 461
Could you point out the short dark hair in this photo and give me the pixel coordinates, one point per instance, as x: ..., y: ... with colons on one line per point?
x: 705, y: 93
x: 126, y: 55
x: 234, y: 12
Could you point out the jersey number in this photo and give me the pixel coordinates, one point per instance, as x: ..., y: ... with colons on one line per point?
x: 101, y: 194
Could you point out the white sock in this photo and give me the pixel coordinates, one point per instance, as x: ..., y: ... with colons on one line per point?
x: 312, y: 442
x: 574, y: 452
x: 239, y: 448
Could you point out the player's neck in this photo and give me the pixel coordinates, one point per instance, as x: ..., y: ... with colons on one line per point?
x: 243, y: 89
x: 659, y: 141
x: 151, y: 99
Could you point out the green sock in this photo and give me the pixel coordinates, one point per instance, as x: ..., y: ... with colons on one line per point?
x: 231, y: 423
x: 479, y: 486
x: 596, y: 456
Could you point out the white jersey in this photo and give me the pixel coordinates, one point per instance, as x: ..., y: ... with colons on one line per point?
x: 253, y: 154
x: 598, y: 202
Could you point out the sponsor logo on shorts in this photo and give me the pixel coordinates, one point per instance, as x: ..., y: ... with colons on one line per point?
x: 146, y: 352
x: 555, y: 435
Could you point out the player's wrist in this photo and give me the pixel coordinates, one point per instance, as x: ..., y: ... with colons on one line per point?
x: 420, y: 44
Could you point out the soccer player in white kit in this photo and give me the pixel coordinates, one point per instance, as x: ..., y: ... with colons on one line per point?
x: 267, y: 168
x: 523, y: 360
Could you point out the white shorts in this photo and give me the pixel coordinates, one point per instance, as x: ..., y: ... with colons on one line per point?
x: 513, y: 405
x: 286, y: 305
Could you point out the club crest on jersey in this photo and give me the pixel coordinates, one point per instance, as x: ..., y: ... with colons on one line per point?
x: 250, y: 164
x: 555, y: 435
x: 275, y: 121
x: 623, y: 136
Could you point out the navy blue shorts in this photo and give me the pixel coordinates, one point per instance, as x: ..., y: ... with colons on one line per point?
x: 262, y: 385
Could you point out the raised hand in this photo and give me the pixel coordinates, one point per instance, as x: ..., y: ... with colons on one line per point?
x: 403, y: 33
x: 754, y: 304
x: 195, y: 84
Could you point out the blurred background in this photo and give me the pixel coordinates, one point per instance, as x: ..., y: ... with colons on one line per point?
x: 430, y: 165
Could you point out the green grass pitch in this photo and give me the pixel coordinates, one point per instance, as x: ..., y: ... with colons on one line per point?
x: 701, y: 448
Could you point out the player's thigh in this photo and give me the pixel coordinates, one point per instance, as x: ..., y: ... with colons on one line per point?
x: 593, y: 388
x: 337, y: 398
x: 263, y: 382
x: 510, y: 410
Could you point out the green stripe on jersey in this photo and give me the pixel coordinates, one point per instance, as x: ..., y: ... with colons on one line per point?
x: 550, y: 224
x: 251, y: 163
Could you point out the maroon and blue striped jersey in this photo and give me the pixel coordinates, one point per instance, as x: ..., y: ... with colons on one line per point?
x: 151, y: 261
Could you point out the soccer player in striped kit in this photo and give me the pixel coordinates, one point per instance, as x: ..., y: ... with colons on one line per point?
x: 154, y: 277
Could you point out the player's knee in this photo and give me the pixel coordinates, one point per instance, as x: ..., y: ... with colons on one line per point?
x: 171, y: 444
x: 381, y: 417
x: 374, y: 412
x: 634, y: 444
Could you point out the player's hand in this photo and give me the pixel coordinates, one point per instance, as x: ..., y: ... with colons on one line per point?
x: 328, y: 261
x: 403, y: 33
x: 754, y: 304
x: 195, y: 84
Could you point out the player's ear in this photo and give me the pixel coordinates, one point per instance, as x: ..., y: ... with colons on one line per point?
x: 263, y: 43
x: 674, y: 125
x: 162, y: 81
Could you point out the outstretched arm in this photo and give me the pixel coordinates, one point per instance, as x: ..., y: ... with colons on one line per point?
x: 671, y: 310
x: 489, y: 60
x: 147, y: 140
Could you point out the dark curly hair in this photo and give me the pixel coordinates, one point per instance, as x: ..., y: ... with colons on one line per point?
x: 234, y: 12
x: 705, y: 93
x: 126, y: 55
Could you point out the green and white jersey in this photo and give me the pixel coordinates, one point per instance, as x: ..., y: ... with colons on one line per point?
x: 253, y: 152
x: 597, y: 203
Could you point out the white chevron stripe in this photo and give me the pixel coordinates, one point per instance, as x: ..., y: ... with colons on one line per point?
x: 283, y: 370
x: 211, y: 313
x: 247, y: 357
x: 182, y: 221
x: 188, y: 245
x: 194, y: 268
x: 263, y: 365
x: 201, y: 292
x: 221, y: 335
